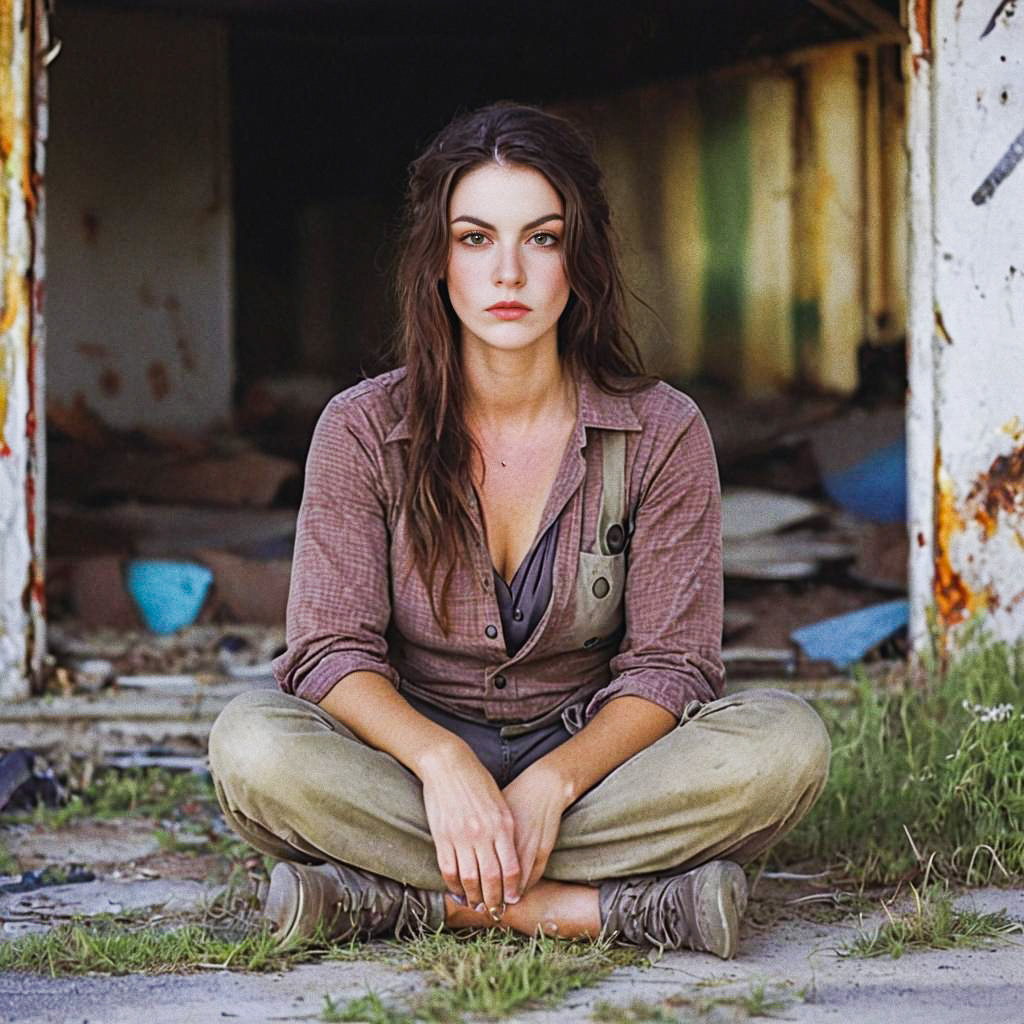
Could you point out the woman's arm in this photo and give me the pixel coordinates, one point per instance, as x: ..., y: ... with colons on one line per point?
x: 469, y: 819
x: 539, y: 796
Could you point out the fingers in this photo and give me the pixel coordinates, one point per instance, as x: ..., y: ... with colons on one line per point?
x: 448, y: 865
x: 511, y: 874
x: 469, y: 876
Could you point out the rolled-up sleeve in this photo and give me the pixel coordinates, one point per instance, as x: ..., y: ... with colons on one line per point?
x: 338, y: 603
x: 671, y: 651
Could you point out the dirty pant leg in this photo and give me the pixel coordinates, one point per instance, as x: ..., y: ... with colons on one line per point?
x: 298, y: 785
x: 734, y: 777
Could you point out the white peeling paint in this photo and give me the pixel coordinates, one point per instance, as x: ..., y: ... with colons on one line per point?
x: 20, y: 642
x: 975, y: 111
x: 920, y: 340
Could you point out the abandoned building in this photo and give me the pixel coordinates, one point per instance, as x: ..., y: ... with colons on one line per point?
x: 199, y: 199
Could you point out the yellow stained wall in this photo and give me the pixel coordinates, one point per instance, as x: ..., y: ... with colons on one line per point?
x: 762, y: 215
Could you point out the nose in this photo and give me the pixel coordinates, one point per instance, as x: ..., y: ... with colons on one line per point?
x: 508, y: 269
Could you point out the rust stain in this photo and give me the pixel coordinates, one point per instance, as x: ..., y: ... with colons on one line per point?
x: 110, y: 382
x: 90, y: 227
x: 940, y: 327
x: 159, y: 380
x: 1014, y: 429
x: 93, y: 349
x: 186, y: 353
x: 999, y: 491
x: 953, y: 598
x: 12, y: 300
x: 922, y: 12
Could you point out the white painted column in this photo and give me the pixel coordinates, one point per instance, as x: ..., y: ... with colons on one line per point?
x: 966, y: 416
x: 22, y: 124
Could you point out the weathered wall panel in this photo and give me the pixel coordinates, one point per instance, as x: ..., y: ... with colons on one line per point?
x: 22, y: 38
x: 140, y: 226
x: 762, y: 214
x: 975, y: 98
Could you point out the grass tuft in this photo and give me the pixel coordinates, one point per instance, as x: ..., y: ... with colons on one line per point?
x: 940, y: 763
x: 489, y: 974
x: 934, y: 923
x: 146, y: 792
x: 762, y: 1000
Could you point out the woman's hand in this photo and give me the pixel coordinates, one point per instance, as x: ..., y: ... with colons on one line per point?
x: 472, y: 828
x: 537, y: 799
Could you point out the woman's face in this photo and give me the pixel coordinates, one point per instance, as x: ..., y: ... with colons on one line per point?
x: 506, y: 279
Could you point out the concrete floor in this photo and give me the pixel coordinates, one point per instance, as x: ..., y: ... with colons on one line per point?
x: 796, y: 960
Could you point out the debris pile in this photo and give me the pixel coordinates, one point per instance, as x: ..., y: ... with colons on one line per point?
x: 157, y: 530
x: 814, y: 509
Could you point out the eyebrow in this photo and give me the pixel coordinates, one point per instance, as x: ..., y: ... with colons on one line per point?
x: 526, y: 227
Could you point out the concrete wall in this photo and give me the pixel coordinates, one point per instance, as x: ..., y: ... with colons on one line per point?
x: 762, y: 213
x: 140, y: 222
x: 966, y: 424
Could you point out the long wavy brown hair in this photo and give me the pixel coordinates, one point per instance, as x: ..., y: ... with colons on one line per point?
x: 592, y: 332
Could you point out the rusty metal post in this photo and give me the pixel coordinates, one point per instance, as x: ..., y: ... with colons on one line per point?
x: 966, y: 315
x: 23, y: 44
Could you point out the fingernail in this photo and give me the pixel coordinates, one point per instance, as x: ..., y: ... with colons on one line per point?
x: 461, y: 900
x: 479, y: 908
x: 512, y: 897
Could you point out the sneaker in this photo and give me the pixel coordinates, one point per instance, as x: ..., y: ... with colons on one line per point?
x: 697, y: 910
x: 338, y: 902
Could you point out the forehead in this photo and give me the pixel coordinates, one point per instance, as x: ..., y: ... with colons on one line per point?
x: 507, y: 192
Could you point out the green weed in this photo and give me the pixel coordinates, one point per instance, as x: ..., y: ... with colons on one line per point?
x: 934, y: 923
x: 490, y: 974
x: 8, y: 863
x: 940, y: 763
x: 148, y: 792
x: 368, y: 1009
x: 762, y: 1000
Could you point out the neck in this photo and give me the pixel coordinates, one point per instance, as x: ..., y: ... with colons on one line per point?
x: 511, y: 392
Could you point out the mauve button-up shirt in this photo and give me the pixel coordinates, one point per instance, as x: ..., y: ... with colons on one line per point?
x: 356, y: 603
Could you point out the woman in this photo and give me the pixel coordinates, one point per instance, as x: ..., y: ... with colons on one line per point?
x: 503, y: 689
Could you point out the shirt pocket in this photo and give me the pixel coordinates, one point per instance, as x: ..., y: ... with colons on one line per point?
x: 599, y: 591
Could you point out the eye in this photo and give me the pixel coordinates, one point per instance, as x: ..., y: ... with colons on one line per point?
x: 474, y: 239
x: 544, y: 239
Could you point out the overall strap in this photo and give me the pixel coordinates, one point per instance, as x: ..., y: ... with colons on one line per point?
x: 614, y: 495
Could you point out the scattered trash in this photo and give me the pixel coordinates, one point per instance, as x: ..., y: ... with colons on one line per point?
x: 749, y: 512
x: 169, y: 594
x: 845, y: 639
x: 875, y: 489
x: 15, y: 771
x: 26, y: 782
x: 42, y: 878
x: 784, y: 556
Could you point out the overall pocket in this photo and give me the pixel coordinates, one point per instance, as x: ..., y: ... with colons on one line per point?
x: 600, y: 588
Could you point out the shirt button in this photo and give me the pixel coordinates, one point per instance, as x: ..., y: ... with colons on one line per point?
x: 517, y: 614
x: 601, y: 587
x: 500, y: 682
x: 491, y: 631
x: 615, y: 538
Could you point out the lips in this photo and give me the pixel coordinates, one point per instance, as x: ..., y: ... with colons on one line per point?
x: 508, y: 310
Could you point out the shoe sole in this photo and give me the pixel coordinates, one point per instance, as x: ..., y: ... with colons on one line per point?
x: 720, y: 906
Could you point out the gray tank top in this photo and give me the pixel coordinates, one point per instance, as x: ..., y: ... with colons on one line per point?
x: 522, y: 602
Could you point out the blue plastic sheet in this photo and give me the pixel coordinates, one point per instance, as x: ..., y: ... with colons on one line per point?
x: 169, y: 594
x: 845, y: 639
x: 876, y: 488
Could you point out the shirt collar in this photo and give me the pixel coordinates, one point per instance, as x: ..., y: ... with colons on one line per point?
x: 597, y: 409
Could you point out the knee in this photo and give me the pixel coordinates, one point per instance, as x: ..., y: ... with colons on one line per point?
x: 245, y: 742
x: 799, y: 748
